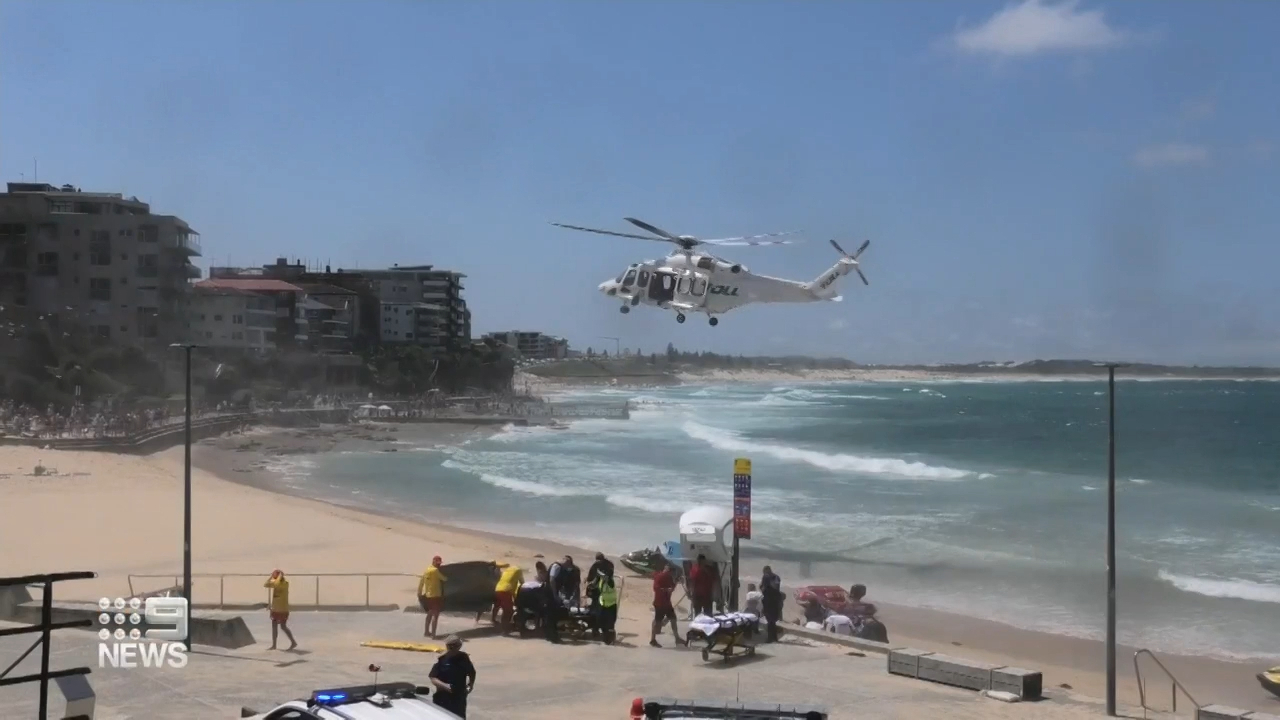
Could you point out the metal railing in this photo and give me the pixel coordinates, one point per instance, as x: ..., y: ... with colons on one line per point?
x: 47, y: 625
x: 294, y: 583
x: 1174, y: 685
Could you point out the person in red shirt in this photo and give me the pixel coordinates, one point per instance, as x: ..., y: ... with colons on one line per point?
x: 663, y: 610
x: 702, y: 581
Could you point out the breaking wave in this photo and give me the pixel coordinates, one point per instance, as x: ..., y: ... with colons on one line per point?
x: 833, y: 462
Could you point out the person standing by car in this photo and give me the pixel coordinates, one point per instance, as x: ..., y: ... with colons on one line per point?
x: 454, y: 677
x: 431, y: 591
x: 279, y: 608
x: 771, y: 589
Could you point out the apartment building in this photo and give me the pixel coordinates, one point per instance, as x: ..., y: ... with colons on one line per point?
x: 96, y: 260
x: 281, y: 298
x: 227, y: 317
x: 432, y: 297
x: 351, y: 302
x: 532, y: 345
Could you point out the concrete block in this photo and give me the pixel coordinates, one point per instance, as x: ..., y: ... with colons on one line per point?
x: 229, y: 633
x: 956, y: 672
x: 1026, y: 684
x: 11, y: 596
x: 79, y: 695
x: 1220, y: 712
x: 906, y: 661
x: 1261, y: 716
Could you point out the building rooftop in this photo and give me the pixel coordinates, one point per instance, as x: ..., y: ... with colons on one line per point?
x: 254, y: 284
x: 325, y: 289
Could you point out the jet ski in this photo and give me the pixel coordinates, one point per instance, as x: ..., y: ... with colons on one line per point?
x: 645, y: 563
x: 1271, y: 680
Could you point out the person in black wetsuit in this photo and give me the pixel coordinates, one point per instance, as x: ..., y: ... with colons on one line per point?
x: 551, y: 605
x: 771, y: 588
x: 454, y: 677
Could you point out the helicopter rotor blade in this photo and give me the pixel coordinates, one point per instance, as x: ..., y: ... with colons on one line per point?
x: 839, y: 249
x: 861, y: 249
x: 865, y: 281
x: 655, y: 230
x: 605, y: 232
x: 761, y: 239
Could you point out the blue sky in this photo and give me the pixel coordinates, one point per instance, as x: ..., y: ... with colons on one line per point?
x: 1038, y: 179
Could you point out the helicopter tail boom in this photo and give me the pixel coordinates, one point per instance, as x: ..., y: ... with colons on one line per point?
x: 826, y: 285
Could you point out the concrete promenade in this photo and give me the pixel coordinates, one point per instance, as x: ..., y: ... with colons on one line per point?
x: 517, y: 678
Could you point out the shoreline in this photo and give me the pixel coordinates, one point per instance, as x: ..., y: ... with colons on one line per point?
x: 232, y: 472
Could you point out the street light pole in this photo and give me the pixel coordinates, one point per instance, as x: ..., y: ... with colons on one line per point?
x: 1111, y: 538
x: 617, y: 344
x: 186, y: 491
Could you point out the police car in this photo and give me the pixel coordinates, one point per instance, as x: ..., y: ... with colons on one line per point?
x: 387, y: 701
x: 670, y: 708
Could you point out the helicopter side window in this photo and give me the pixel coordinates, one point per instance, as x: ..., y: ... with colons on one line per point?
x: 644, y: 279
x: 699, y: 287
x: 629, y: 279
x: 706, y: 263
x: 682, y: 287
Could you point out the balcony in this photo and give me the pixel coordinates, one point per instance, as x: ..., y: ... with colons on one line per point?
x: 192, y: 271
x: 187, y: 243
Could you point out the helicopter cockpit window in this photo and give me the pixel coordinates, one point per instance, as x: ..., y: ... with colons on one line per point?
x: 644, y: 278
x: 706, y: 263
x: 630, y: 278
x: 699, y: 287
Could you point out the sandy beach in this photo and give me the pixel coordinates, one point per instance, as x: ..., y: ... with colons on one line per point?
x: 121, y: 516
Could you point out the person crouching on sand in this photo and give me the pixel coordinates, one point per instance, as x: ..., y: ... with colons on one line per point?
x: 431, y: 590
x: 279, y: 608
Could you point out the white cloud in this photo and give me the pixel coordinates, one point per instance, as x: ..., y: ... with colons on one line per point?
x: 1171, y: 154
x: 1035, y: 26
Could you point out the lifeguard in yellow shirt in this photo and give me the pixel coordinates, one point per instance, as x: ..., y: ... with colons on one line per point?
x: 431, y: 593
x: 504, y: 593
x: 279, y: 608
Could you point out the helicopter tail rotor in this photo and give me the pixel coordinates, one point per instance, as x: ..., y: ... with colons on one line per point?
x: 854, y: 258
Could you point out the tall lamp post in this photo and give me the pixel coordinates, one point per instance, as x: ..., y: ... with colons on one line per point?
x: 1111, y: 536
x: 186, y: 489
x: 617, y: 344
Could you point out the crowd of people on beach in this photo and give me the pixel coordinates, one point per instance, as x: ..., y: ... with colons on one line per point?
x: 78, y: 421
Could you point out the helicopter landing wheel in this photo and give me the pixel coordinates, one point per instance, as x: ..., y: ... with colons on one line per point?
x: 624, y: 309
x: 680, y: 317
x: 714, y: 321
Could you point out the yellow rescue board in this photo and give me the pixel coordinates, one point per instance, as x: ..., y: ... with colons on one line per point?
x: 396, y: 645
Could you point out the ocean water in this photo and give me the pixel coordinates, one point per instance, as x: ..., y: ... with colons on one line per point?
x: 986, y: 499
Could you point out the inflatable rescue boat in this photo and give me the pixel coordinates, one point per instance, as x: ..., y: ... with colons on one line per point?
x: 1271, y: 680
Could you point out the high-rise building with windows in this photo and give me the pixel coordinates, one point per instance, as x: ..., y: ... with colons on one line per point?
x: 99, y: 261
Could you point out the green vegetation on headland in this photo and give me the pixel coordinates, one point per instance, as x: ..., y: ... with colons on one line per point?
x: 663, y: 367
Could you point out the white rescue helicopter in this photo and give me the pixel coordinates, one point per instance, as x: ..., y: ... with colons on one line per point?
x: 693, y: 280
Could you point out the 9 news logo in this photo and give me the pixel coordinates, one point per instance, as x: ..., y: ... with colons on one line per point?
x: 157, y: 628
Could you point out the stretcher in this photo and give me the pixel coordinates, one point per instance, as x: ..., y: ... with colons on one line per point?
x: 728, y: 635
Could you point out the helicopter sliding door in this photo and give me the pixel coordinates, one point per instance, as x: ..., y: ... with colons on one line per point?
x: 662, y: 287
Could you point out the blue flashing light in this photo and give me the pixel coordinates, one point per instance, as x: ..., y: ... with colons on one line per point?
x: 330, y: 697
x: 322, y: 698
x: 339, y: 696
